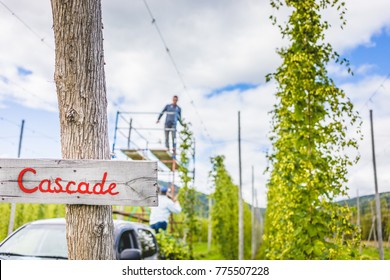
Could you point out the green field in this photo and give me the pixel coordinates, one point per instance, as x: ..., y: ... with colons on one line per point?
x: 29, y: 212
x: 371, y: 252
x: 201, y: 252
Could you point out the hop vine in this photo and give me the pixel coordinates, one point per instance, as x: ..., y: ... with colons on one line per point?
x: 311, y: 146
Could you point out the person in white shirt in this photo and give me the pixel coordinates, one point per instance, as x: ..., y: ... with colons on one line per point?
x: 159, y: 216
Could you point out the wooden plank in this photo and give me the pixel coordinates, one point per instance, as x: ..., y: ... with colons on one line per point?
x: 133, y: 154
x: 139, y: 216
x: 162, y: 154
x: 92, y: 182
x: 168, y: 163
x: 165, y: 157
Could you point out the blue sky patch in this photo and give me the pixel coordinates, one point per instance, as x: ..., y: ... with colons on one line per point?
x: 375, y: 54
x: 241, y: 87
x: 23, y: 72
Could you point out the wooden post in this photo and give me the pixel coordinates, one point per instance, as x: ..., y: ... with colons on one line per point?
x: 12, y: 218
x: 82, y: 102
x: 240, y: 204
x: 377, y: 198
x: 372, y: 229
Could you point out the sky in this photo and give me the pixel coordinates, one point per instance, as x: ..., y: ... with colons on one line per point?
x: 219, y: 54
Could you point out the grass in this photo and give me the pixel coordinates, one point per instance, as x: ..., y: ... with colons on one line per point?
x: 201, y: 252
x: 370, y: 251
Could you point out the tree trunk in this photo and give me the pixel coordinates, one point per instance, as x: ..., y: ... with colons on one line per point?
x: 81, y: 90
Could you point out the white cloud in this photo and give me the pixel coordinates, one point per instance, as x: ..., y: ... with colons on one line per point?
x: 368, y: 94
x: 364, y: 19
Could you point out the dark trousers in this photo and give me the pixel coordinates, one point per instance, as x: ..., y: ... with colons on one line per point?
x: 159, y: 225
x: 170, y: 129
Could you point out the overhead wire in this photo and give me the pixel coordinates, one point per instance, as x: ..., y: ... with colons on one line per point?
x: 24, y: 148
x: 178, y: 72
x: 37, y: 132
x: 154, y: 22
x: 375, y: 92
x: 36, y: 34
x: 32, y: 130
x: 7, y: 139
x: 9, y: 121
x: 27, y: 91
x: 42, y: 39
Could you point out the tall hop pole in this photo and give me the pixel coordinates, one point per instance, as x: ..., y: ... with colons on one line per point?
x: 240, y: 206
x: 377, y: 198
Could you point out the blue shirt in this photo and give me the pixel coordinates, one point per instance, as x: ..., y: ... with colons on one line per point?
x: 173, y: 114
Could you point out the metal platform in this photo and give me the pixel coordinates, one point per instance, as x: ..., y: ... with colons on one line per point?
x: 134, y: 154
x: 141, y: 145
x: 165, y: 157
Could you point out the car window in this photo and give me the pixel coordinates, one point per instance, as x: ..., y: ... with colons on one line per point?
x: 148, y: 243
x: 38, y: 240
x: 127, y: 241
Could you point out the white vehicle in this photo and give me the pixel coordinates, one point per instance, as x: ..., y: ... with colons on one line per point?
x: 46, y: 239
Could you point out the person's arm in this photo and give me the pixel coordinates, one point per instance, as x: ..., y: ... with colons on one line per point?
x: 179, y: 116
x: 174, y: 207
x: 162, y: 112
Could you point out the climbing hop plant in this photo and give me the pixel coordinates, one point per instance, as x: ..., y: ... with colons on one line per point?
x: 187, y: 194
x: 225, y: 209
x: 311, y: 148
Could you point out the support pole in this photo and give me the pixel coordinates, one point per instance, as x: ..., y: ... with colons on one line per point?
x: 129, y: 135
x: 358, y: 217
x: 377, y: 198
x: 13, y: 205
x: 21, y: 139
x: 174, y: 156
x: 372, y: 229
x: 261, y: 224
x: 193, y: 161
x: 240, y: 206
x: 210, y: 228
x: 173, y: 174
x: 115, y: 131
x: 172, y: 222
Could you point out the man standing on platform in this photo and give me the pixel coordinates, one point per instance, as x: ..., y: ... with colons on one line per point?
x: 159, y: 215
x: 173, y: 113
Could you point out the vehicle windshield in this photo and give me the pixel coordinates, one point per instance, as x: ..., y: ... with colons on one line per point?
x: 38, y: 241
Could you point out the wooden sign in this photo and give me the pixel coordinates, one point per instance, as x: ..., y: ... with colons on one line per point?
x: 93, y: 182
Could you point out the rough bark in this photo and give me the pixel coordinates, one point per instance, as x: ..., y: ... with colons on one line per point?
x: 81, y: 90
